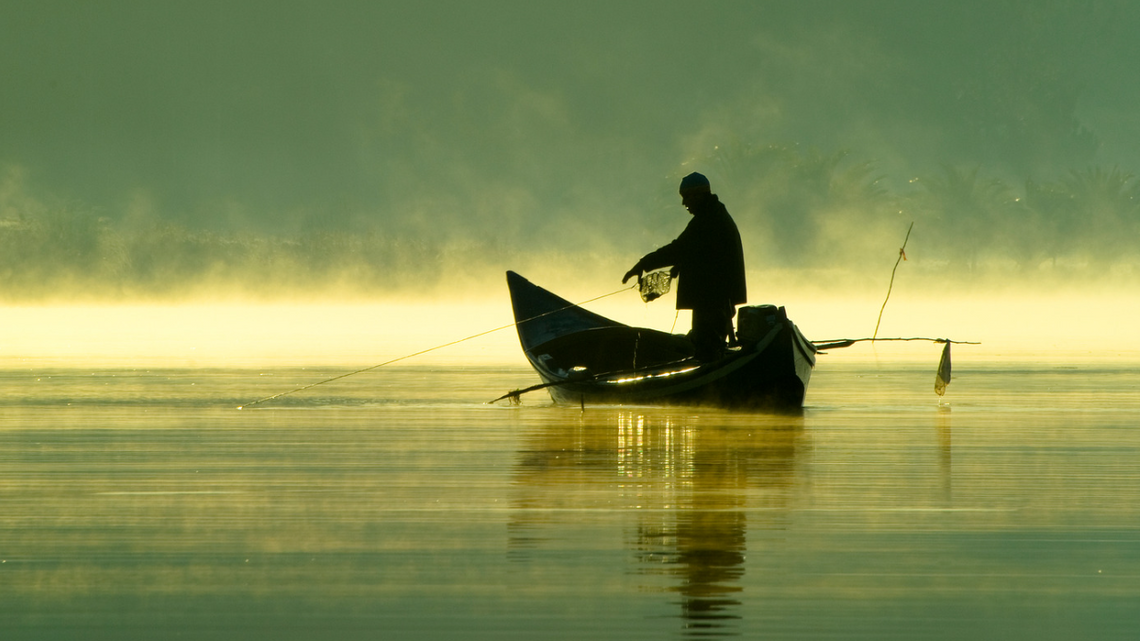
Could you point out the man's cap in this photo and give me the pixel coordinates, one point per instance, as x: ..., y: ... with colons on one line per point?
x: 695, y: 182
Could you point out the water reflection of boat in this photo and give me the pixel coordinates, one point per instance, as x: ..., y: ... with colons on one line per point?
x: 583, y: 357
x: 689, y: 486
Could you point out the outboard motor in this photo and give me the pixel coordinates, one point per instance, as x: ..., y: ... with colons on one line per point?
x: 753, y: 322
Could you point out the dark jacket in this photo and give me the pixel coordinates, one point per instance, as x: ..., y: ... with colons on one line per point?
x: 709, y: 258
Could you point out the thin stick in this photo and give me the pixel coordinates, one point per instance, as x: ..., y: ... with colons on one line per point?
x: 515, y: 394
x: 836, y: 343
x: 425, y: 351
x: 902, y: 257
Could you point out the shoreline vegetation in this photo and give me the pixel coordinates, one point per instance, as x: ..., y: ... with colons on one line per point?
x: 804, y: 214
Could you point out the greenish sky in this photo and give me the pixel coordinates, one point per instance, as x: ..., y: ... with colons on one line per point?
x: 347, y: 107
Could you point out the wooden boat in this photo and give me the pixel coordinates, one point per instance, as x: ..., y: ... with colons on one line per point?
x: 583, y: 357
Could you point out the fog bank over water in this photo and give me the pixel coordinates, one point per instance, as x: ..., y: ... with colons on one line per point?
x: 1052, y: 331
x: 292, y: 150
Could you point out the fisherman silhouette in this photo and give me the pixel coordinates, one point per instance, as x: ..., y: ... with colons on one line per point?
x: 708, y: 261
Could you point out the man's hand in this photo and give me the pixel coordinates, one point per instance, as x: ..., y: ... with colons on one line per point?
x: 636, y: 271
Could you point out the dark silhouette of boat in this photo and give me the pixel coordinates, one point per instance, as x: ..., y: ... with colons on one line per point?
x: 583, y: 357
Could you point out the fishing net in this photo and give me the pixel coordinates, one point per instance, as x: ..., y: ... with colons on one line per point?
x: 654, y: 285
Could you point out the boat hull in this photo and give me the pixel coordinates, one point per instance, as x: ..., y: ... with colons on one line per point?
x: 584, y: 358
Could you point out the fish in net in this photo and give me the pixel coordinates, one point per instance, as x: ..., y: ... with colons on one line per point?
x: 654, y: 285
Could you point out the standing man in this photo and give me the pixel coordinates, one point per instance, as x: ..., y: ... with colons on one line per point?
x: 708, y: 260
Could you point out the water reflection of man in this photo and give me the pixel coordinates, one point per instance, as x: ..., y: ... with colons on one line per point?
x: 708, y: 260
x: 699, y: 486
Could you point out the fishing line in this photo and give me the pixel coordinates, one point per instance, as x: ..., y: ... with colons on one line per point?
x: 430, y: 349
x: 902, y: 257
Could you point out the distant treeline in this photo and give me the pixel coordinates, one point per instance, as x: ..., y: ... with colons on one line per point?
x: 797, y: 210
x: 812, y: 209
x: 69, y: 254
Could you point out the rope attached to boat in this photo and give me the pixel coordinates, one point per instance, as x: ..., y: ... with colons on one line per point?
x: 432, y: 349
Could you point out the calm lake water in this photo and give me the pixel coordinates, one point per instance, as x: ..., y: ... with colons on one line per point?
x: 396, y: 504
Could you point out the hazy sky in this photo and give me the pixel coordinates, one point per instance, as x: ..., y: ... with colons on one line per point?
x: 344, y: 107
x: 508, y: 120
